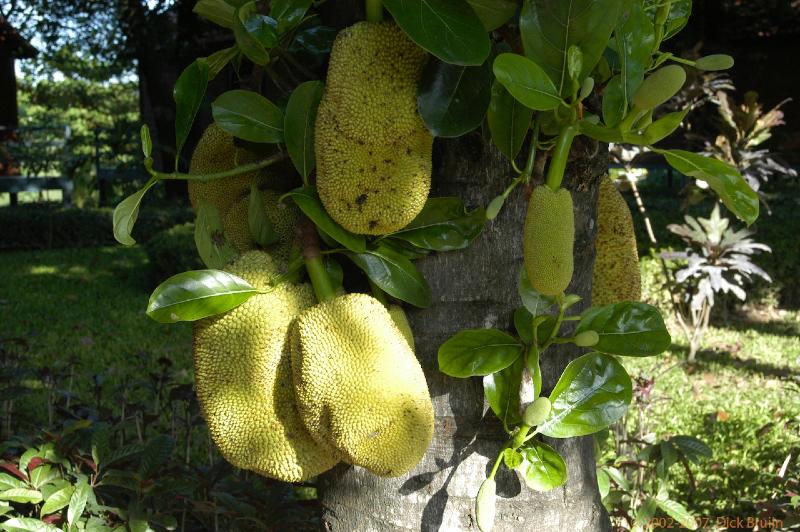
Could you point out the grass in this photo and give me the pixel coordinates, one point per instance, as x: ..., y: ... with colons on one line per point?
x: 81, y: 311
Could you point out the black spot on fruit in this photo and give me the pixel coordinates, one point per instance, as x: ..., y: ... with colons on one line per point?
x: 361, y: 200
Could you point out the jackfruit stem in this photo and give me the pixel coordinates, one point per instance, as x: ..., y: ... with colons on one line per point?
x: 558, y: 160
x: 528, y: 172
x: 320, y: 280
x: 374, y: 10
x: 269, y: 161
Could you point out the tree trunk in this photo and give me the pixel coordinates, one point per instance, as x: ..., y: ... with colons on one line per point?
x: 477, y: 288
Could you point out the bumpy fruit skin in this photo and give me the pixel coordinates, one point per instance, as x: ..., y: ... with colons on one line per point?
x: 548, y: 239
x: 243, y: 378
x: 373, y: 150
x: 616, y: 275
x: 359, y: 385
x: 401, y: 320
x: 282, y: 215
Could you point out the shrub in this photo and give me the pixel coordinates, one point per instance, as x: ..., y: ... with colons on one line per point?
x: 173, y: 251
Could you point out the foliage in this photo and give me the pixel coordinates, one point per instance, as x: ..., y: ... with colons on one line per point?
x: 172, y: 251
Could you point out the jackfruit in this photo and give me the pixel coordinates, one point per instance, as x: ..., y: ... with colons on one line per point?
x: 359, y: 385
x: 401, y: 320
x: 616, y: 274
x: 548, y: 239
x: 243, y: 378
x: 373, y: 151
x: 282, y: 215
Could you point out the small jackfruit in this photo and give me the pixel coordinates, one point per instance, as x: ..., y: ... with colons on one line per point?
x: 548, y: 239
x: 401, y: 320
x: 373, y: 151
x: 282, y: 215
x: 243, y: 378
x: 359, y: 385
x: 616, y: 275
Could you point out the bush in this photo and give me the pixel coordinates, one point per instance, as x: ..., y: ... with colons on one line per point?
x: 41, y: 226
x: 173, y: 251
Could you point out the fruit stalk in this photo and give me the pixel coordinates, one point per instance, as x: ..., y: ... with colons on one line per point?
x: 309, y: 240
x: 558, y: 161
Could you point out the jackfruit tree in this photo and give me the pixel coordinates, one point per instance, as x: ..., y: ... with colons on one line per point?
x: 305, y: 356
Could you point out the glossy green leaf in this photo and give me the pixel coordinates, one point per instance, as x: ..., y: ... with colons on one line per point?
x: 249, y: 116
x: 443, y: 224
x: 542, y: 468
x: 603, y: 483
x: 628, y: 328
x: 634, y: 38
x: 614, y: 104
x: 253, y: 33
x: 678, y: 512
x: 288, y: 13
x: 679, y: 13
x: 523, y: 323
x: 453, y: 99
x: 526, y: 81
x: 449, y: 29
x: 646, y: 512
x: 8, y: 482
x: 593, y: 392
x: 724, y: 179
x: 532, y: 300
x: 714, y: 62
x: 334, y: 271
x: 502, y: 392
x: 509, y: 122
x: 600, y: 132
x: 126, y: 213
x: 21, y: 495
x: 27, y: 524
x: 511, y: 458
x: 691, y: 447
x: 259, y: 224
x: 57, y: 500
x: 157, y: 451
x: 147, y: 141
x: 494, y: 13
x: 209, y: 237
x: 77, y: 502
x: 301, y: 115
x: 664, y: 127
x: 478, y: 352
x: 220, y: 58
x: 308, y: 200
x: 550, y: 27
x: 197, y: 294
x: 217, y: 11
x: 394, y: 274
x: 188, y: 95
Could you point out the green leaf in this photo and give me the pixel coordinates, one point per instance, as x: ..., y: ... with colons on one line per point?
x: 663, y: 127
x: 511, y: 458
x: 26, y: 458
x: 542, y: 468
x: 260, y: 227
x: 532, y: 300
x: 593, y: 392
x: 714, y: 62
x: 308, y: 200
x: 301, y: 115
x: 394, y: 274
x: 288, y: 13
x: 209, y: 237
x: 217, y: 11
x: 147, y: 141
x: 8, y: 482
x: 691, y: 447
x: 21, y: 495
x: 156, y: 453
x: 726, y: 181
x: 188, y: 95
x: 478, y: 352
x: 5, y: 508
x: 508, y: 120
x: 252, y: 35
x: 550, y: 27
x: 646, y: 512
x: 523, y: 323
x: 57, y: 500
x: 600, y: 132
x: 452, y: 99
x: 26, y: 524
x: 614, y: 104
x: 42, y: 474
x: 526, y: 81
x: 449, y: 29
x: 603, y: 483
x: 249, y: 116
x: 77, y: 502
x: 494, y: 13
x: 126, y: 213
x: 197, y: 294
x: 634, y: 38
x: 443, y: 225
x: 678, y: 512
x: 679, y: 13
x: 629, y: 328
x: 502, y: 392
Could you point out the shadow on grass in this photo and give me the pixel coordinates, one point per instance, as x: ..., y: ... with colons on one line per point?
x: 708, y: 358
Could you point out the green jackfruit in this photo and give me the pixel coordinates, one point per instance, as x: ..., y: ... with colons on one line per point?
x: 548, y: 239
x: 616, y: 274
x: 359, y: 385
x: 282, y: 215
x: 401, y: 320
x: 243, y: 378
x: 373, y: 151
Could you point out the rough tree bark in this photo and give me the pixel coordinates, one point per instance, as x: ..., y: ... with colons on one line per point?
x: 478, y: 288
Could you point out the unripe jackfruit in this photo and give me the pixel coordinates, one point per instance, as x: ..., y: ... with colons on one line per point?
x: 282, y: 215
x: 243, y: 378
x: 359, y: 385
x: 616, y: 275
x: 373, y: 150
x: 548, y: 239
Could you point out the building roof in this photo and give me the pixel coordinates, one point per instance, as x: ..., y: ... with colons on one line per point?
x: 11, y: 39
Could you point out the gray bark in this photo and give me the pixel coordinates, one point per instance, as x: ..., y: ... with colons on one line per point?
x: 477, y: 288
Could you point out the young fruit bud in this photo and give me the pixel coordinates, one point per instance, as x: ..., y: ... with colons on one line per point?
x: 485, y: 505
x: 659, y: 87
x: 714, y: 62
x: 548, y: 238
x: 537, y: 412
x: 586, y: 339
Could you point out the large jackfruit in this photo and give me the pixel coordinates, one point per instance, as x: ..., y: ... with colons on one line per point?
x: 548, y: 239
x: 401, y: 320
x: 359, y: 385
x: 373, y: 150
x: 243, y: 378
x: 282, y: 215
x: 616, y: 275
